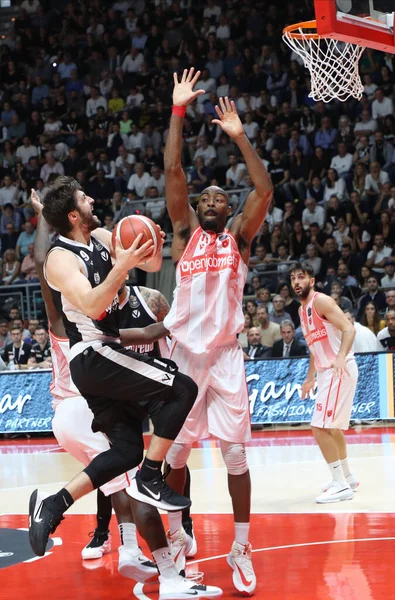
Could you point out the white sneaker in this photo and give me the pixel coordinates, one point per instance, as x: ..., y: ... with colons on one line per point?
x: 239, y: 559
x: 336, y: 492
x: 99, y: 545
x: 352, y: 481
x: 134, y: 565
x: 181, y: 544
x: 188, y: 528
x: 179, y: 588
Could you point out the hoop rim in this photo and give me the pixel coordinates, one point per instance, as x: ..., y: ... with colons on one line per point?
x: 291, y: 31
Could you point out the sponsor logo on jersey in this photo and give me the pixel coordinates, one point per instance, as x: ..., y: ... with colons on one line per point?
x: 316, y: 336
x: 104, y: 255
x: 133, y: 302
x: 96, y: 278
x: 214, y: 263
x: 84, y: 255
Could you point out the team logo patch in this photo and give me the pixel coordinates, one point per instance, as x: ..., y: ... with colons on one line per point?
x: 96, y: 278
x: 136, y: 314
x: 15, y: 547
x: 329, y: 413
x: 133, y: 302
x: 104, y: 255
x: 84, y: 255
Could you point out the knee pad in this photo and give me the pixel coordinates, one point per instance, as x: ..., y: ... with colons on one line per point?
x: 235, y: 457
x: 178, y: 455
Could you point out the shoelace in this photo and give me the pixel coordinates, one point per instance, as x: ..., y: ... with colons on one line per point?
x: 244, y: 557
x: 98, y: 537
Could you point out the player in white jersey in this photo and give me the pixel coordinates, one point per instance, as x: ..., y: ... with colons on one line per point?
x: 330, y: 336
x: 206, y: 316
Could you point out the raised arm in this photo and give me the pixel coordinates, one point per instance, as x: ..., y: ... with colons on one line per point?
x: 248, y: 224
x: 143, y: 335
x: 181, y: 213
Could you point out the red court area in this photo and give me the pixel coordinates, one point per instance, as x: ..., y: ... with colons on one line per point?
x: 296, y: 556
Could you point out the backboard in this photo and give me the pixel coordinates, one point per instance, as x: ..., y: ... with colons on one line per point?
x: 368, y: 23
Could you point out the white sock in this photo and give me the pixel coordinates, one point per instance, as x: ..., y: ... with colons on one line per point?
x: 175, y: 521
x: 165, y: 563
x: 128, y: 535
x: 242, y: 531
x: 337, y: 471
x: 345, y: 467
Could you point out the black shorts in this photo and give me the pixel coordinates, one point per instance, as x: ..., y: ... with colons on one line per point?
x: 119, y: 384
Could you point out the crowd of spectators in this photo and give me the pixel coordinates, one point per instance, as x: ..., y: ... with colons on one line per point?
x: 86, y: 89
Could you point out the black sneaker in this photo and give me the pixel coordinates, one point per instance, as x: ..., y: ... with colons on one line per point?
x: 100, y: 544
x: 157, y: 493
x: 42, y: 522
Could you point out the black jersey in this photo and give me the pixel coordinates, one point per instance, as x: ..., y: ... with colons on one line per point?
x: 96, y: 260
x: 136, y: 313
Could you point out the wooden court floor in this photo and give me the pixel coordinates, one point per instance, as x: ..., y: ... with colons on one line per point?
x: 302, y: 550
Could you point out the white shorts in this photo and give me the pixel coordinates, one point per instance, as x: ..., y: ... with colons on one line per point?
x: 335, y: 398
x: 72, y: 428
x: 222, y: 407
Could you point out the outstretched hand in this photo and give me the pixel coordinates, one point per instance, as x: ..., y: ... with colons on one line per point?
x: 228, y: 119
x: 36, y: 202
x: 183, y: 93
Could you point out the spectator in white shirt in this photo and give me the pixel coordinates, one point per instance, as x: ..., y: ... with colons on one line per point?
x: 66, y: 66
x: 223, y: 29
x: 135, y: 98
x: 375, y: 180
x: 206, y: 151
x: 365, y: 340
x: 366, y: 126
x: 342, y: 162
x: 26, y: 151
x: 51, y: 166
x: 388, y: 281
x: 106, y: 84
x: 94, y: 102
x: 139, y: 181
x: 334, y: 187
x: 136, y: 141
x: 8, y: 192
x: 369, y: 86
x: 157, y: 180
x: 250, y: 127
x: 236, y: 172
x: 133, y: 61
x: 274, y: 216
x: 378, y: 255
x: 313, y: 259
x: 105, y: 165
x: 155, y: 208
x: 207, y: 84
x: 30, y: 6
x: 246, y: 103
x: 124, y: 163
x: 382, y: 106
x: 212, y: 10
x: 312, y: 214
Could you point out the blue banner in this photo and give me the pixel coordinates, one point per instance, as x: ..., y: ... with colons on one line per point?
x: 25, y: 401
x: 274, y: 389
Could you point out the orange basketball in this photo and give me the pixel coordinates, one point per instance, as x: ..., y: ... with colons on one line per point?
x: 130, y: 227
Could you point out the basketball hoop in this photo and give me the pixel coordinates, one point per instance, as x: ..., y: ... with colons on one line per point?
x: 333, y: 65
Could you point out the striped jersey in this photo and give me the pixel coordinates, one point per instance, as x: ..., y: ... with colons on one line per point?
x: 206, y: 312
x: 62, y: 385
x: 323, y: 338
x: 96, y: 261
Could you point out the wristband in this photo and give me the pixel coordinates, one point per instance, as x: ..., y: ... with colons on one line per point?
x: 179, y: 111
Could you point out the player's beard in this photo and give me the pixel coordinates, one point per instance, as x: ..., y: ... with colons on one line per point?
x: 304, y: 291
x: 90, y: 221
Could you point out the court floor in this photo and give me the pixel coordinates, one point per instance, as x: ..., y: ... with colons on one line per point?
x: 302, y: 550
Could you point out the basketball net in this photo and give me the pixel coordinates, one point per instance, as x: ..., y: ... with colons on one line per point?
x: 333, y: 65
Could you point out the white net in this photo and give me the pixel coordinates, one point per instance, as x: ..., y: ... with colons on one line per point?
x: 333, y: 65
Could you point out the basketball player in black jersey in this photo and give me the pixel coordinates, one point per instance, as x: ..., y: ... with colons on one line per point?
x: 119, y: 385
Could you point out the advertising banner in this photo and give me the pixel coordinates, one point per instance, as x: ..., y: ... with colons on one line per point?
x: 274, y: 389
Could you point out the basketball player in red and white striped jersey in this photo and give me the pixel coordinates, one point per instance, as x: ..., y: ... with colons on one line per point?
x: 330, y: 336
x: 206, y: 316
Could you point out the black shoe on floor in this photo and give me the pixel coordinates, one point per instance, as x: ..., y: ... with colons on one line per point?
x: 157, y: 493
x: 42, y: 522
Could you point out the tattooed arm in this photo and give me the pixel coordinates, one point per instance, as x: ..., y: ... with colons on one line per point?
x: 156, y: 302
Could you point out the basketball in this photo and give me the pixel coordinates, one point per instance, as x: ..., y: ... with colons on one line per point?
x: 128, y: 228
